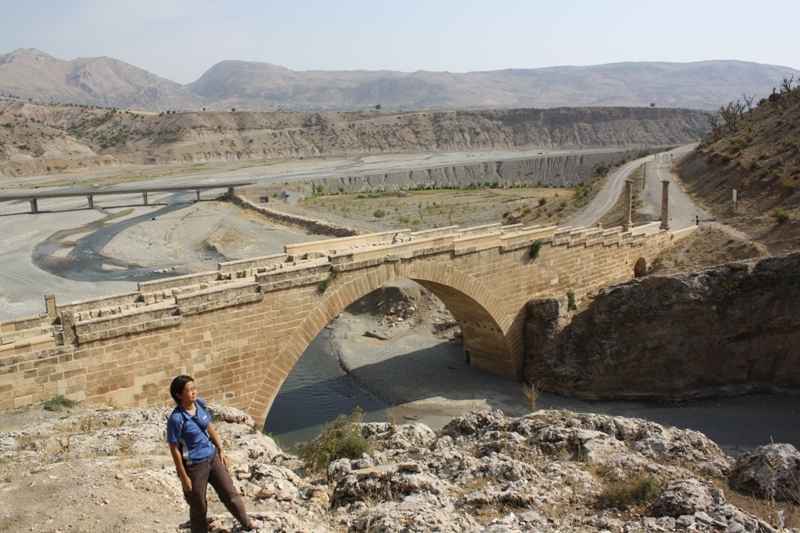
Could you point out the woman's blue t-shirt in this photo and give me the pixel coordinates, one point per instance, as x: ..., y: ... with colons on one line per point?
x: 191, y: 433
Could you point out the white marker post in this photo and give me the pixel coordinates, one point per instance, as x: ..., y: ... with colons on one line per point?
x: 734, y: 198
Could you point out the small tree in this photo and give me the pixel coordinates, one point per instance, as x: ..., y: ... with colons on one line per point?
x: 378, y: 107
x: 233, y: 110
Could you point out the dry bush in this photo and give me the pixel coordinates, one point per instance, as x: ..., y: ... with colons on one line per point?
x: 532, y: 393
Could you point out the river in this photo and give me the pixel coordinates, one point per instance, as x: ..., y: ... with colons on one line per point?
x: 318, y: 390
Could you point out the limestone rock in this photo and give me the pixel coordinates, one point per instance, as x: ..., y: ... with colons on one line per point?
x: 772, y: 470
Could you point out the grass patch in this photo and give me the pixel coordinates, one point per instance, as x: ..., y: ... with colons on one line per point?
x: 340, y: 439
x: 634, y: 490
x: 59, y: 403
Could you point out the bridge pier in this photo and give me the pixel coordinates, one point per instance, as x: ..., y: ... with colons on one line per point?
x: 34, y: 206
x: 231, y: 192
x: 664, y: 205
x: 198, y: 195
x: 144, y: 198
x: 90, y: 198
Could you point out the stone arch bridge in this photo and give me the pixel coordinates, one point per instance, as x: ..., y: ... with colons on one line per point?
x: 239, y: 330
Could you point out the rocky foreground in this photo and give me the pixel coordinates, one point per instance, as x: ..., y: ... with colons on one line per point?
x: 109, y: 470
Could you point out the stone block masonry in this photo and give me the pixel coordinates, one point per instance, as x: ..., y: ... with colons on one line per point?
x: 239, y: 330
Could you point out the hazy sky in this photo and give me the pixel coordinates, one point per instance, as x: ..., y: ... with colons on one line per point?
x: 181, y: 39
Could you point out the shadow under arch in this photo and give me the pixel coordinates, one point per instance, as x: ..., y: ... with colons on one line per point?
x: 487, y: 343
x: 640, y: 268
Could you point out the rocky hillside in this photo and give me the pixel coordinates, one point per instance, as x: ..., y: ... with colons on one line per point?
x: 252, y: 86
x: 94, y: 81
x: 702, y: 85
x: 36, y: 138
x: 725, y: 330
x: 754, y: 148
x: 551, y: 471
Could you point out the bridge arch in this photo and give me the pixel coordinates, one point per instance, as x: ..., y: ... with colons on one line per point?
x: 475, y: 308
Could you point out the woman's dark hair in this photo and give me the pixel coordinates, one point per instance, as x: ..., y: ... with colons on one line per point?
x: 177, y: 386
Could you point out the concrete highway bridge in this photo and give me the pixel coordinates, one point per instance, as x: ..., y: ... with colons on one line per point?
x: 34, y: 196
x: 240, y: 329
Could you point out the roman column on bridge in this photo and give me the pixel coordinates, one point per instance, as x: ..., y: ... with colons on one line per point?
x: 90, y: 198
x: 628, y: 223
x: 34, y: 205
x: 664, y: 205
x: 144, y: 198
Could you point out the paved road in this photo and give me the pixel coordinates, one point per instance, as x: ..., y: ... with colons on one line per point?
x: 657, y: 168
x: 682, y: 212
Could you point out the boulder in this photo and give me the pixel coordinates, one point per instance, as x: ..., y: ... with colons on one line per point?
x: 768, y: 471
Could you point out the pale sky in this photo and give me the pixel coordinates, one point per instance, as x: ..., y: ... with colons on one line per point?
x: 181, y: 39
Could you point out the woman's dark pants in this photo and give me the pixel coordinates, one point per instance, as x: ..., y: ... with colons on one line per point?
x: 213, y: 472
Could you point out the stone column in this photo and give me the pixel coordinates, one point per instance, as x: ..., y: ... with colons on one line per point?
x: 231, y: 193
x: 34, y: 205
x: 664, y: 205
x: 91, y: 201
x: 144, y: 198
x: 198, y: 195
x: 627, y: 224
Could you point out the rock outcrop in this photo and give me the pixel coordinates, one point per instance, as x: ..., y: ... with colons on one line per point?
x: 771, y: 471
x: 724, y: 330
x: 483, y: 473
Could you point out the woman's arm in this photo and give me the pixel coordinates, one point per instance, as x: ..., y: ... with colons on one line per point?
x: 178, y: 460
x: 217, y: 443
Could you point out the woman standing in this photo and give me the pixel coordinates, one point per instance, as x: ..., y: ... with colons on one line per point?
x: 199, y: 459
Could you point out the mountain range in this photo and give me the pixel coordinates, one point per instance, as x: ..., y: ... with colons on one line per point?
x: 253, y: 86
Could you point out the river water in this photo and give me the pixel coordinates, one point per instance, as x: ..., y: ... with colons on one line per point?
x: 85, y: 262
x: 318, y: 390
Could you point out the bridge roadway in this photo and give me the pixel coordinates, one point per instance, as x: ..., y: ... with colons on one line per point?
x: 34, y: 195
x: 242, y: 327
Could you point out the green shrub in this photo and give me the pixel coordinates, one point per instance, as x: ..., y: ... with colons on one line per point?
x: 571, y: 300
x: 542, y: 201
x: 341, y: 438
x: 788, y: 184
x: 59, y: 403
x: 780, y: 215
x: 379, y: 213
x: 536, y: 247
x: 630, y: 491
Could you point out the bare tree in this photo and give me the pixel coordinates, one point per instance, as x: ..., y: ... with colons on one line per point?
x: 748, y: 101
x: 714, y: 123
x: 730, y: 114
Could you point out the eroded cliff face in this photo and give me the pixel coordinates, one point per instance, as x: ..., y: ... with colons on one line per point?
x: 39, y: 139
x: 729, y: 329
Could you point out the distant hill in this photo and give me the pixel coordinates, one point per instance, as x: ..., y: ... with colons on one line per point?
x: 40, y: 139
x: 97, y: 81
x: 253, y: 86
